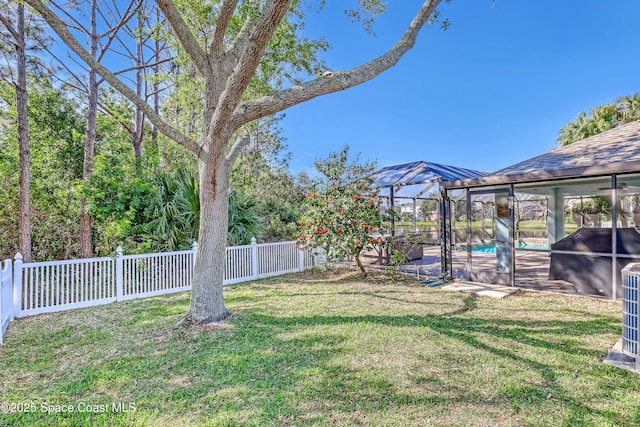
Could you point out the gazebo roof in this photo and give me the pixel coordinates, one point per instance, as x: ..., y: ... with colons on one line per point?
x: 614, y: 151
x: 413, y: 179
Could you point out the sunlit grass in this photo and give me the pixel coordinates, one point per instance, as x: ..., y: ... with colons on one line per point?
x: 326, y: 349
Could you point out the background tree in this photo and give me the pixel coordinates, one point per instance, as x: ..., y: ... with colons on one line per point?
x: 342, y: 210
x: 56, y: 147
x: 19, y: 28
x: 261, y: 173
x: 625, y: 109
x: 427, y: 208
x: 239, y: 47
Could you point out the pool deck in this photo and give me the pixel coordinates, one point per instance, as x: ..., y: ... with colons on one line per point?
x: 532, y: 269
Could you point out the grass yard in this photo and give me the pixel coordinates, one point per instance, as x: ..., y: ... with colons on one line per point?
x: 325, y: 349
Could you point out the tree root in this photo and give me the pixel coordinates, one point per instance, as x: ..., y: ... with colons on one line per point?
x: 188, y: 322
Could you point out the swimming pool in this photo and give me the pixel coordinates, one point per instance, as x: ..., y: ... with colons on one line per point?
x: 491, y: 249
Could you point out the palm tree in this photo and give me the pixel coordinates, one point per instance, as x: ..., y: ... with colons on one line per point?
x: 629, y: 107
x: 576, y: 130
x: 625, y: 109
x: 170, y: 228
x: 244, y: 222
x: 176, y: 213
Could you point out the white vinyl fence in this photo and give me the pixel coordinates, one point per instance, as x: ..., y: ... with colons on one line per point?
x: 6, y: 297
x: 44, y: 287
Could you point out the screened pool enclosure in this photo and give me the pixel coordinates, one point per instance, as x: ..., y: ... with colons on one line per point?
x: 564, y: 220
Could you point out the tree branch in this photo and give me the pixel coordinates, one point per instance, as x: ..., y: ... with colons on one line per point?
x: 236, y: 148
x: 113, y: 32
x: 188, y: 41
x: 226, y: 13
x: 9, y: 27
x: 142, y: 67
x: 117, y: 118
x: 266, y: 25
x: 267, y: 105
x: 61, y: 30
x: 232, y: 55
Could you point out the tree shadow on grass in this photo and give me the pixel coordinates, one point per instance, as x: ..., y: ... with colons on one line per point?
x: 271, y: 370
x: 357, y: 393
x: 260, y: 374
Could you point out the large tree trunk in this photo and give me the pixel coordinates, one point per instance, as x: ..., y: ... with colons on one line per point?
x: 207, y: 304
x: 24, y: 218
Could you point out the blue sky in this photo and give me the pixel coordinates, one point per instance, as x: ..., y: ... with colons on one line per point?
x: 492, y: 90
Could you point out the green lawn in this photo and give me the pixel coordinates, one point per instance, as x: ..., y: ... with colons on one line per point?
x: 326, y: 349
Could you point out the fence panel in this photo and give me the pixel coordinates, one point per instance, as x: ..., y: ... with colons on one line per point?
x: 156, y: 274
x: 42, y: 287
x: 238, y: 265
x: 278, y: 258
x: 6, y: 297
x: 63, y: 285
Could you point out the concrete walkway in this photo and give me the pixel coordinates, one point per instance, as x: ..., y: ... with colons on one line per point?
x: 480, y: 289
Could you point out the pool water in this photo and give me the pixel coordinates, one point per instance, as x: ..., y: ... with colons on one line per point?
x: 491, y: 249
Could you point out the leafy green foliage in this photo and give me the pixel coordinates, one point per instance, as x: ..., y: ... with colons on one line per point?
x: 56, y: 138
x: 427, y: 207
x: 625, y: 109
x: 244, y: 222
x: 261, y: 173
x: 119, y: 192
x: 175, y: 213
x: 342, y: 212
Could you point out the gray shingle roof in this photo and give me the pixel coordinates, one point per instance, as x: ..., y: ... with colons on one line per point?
x: 614, y: 151
x: 621, y: 144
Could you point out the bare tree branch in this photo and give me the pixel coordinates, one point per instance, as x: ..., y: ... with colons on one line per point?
x: 254, y: 109
x: 142, y: 67
x: 129, y: 13
x: 9, y: 27
x: 232, y: 55
x: 236, y: 148
x: 68, y: 69
x: 77, y: 25
x: 124, y: 124
x: 60, y: 28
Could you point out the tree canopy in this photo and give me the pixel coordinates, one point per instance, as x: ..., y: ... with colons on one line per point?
x: 248, y: 61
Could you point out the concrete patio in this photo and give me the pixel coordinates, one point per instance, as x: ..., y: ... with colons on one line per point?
x: 532, y: 268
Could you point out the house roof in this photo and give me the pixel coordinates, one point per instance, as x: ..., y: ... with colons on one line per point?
x: 614, y: 151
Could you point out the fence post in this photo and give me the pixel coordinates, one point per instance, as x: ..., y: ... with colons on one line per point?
x: 194, y: 248
x: 254, y: 258
x: 301, y: 258
x: 7, y: 267
x: 17, y: 285
x: 119, y: 274
x: 637, y: 317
